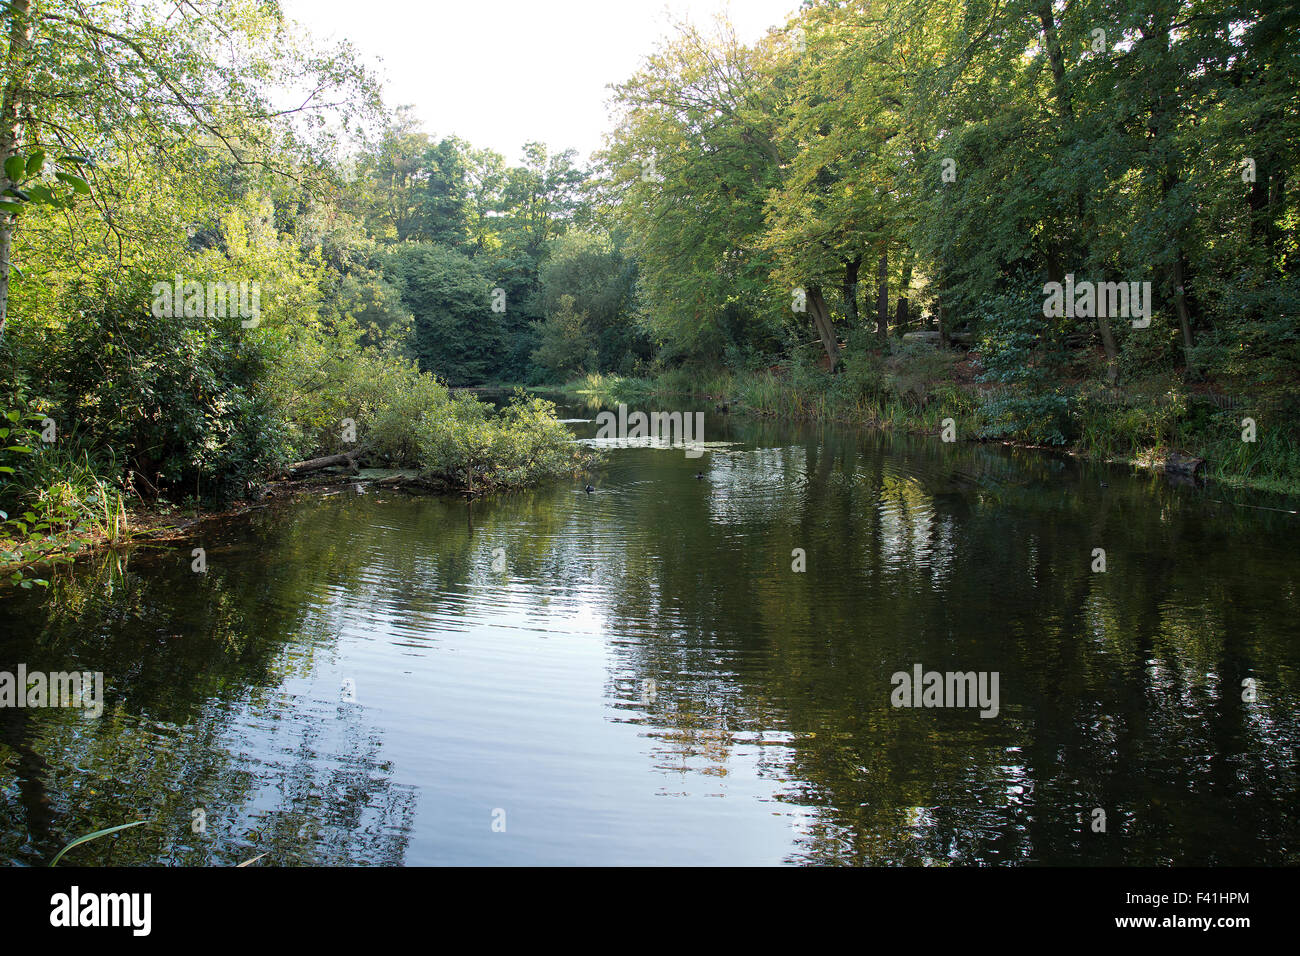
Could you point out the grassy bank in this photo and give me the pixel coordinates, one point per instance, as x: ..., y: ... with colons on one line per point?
x: 915, y: 389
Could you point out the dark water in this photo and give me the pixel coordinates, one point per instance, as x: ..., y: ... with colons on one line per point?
x: 648, y: 681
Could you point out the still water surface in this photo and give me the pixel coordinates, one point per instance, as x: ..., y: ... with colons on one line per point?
x: 649, y: 681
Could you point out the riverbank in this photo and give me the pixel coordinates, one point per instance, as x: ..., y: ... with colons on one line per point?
x: 452, y: 446
x: 163, y: 521
x: 1235, y: 440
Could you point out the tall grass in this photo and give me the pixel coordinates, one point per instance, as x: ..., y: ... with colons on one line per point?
x: 66, y: 493
x: 915, y: 393
x: 54, y: 504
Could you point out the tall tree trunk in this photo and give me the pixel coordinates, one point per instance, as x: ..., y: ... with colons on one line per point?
x: 850, y: 290
x: 1184, y: 314
x: 821, y: 317
x: 1055, y: 57
x: 882, y: 307
x: 1112, y: 353
x: 1169, y: 181
x: 940, y: 285
x: 16, y: 67
x: 1170, y: 177
x: 901, y: 317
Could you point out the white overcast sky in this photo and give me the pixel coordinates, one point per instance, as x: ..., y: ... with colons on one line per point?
x: 501, y: 72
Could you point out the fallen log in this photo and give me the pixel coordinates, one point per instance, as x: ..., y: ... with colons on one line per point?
x: 408, y: 482
x: 348, y: 460
x: 934, y: 337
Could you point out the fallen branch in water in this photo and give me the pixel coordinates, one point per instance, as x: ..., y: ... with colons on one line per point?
x: 347, y: 459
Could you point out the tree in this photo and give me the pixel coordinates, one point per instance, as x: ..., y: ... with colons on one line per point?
x: 127, y: 79
x: 565, y: 339
x: 688, y: 171
x: 600, y: 280
x: 457, y: 333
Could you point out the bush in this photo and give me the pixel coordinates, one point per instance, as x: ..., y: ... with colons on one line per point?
x: 472, y: 448
x: 1023, y: 359
x: 565, y: 348
x: 177, y: 401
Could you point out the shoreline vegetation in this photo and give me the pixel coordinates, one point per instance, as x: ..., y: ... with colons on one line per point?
x: 1192, y: 433
x: 422, y: 439
x: 1145, y: 430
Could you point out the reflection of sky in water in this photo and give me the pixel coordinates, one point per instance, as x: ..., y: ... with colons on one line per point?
x: 493, y: 703
x: 762, y: 484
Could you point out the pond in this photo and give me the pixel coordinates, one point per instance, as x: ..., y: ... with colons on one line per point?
x: 683, y: 670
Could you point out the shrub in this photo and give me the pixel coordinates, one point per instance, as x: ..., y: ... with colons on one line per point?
x: 1023, y: 358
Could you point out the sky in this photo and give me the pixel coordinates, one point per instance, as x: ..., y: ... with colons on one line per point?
x: 499, y: 73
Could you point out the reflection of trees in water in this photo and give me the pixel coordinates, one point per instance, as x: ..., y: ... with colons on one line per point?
x: 1119, y: 690
x: 188, y: 660
x: 691, y: 738
x: 312, y: 805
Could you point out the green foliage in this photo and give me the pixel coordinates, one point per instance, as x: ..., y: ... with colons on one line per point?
x: 53, y: 501
x: 585, y: 267
x: 735, y: 175
x: 692, y: 164
x: 457, y: 335
x: 57, y: 188
x: 1022, y: 360
x: 407, y: 418
x: 469, y: 447
x: 175, y: 399
x: 376, y: 268
x: 976, y: 152
x: 565, y: 338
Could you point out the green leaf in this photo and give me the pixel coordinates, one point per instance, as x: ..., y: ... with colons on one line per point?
x: 92, y: 836
x: 10, y: 206
x: 15, y: 167
x: 76, y: 182
x: 35, y: 162
x: 76, y: 160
